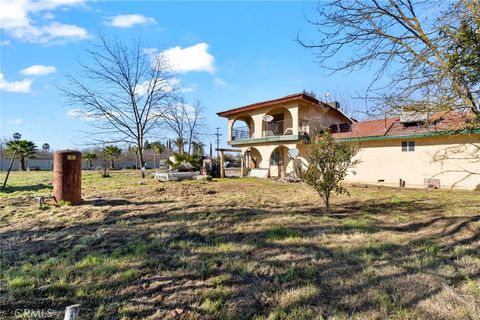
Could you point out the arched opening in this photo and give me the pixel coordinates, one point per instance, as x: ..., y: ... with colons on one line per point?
x: 253, y: 158
x: 242, y: 128
x: 277, y: 122
x: 278, y: 161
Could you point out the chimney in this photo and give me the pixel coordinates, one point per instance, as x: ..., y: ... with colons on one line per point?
x: 334, y: 104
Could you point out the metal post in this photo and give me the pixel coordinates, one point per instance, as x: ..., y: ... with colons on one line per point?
x: 9, y: 169
x: 242, y: 164
x: 222, y: 165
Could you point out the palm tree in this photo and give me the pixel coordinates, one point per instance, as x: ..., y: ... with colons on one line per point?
x: 112, y: 151
x: 22, y: 148
x: 89, y: 156
x: 157, y: 146
x: 45, y: 147
x: 180, y: 143
x: 17, y: 136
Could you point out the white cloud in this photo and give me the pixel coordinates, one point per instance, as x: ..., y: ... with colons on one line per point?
x: 22, y: 86
x: 129, y: 20
x: 38, y: 70
x: 193, y: 58
x: 19, y: 19
x: 17, y: 121
x: 219, y: 83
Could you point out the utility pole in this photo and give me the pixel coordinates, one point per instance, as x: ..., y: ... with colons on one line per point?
x: 218, y: 134
x: 219, y: 166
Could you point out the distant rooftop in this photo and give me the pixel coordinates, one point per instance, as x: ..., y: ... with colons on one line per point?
x: 392, y: 127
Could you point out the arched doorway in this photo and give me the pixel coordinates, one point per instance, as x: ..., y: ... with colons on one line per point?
x: 253, y: 158
x: 279, y: 122
x: 278, y: 161
x: 242, y: 128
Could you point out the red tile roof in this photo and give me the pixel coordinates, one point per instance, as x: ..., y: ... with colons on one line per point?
x: 439, y: 122
x: 290, y: 98
x: 369, y: 128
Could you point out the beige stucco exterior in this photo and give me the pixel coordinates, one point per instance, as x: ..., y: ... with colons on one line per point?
x: 454, y: 160
x: 296, y: 115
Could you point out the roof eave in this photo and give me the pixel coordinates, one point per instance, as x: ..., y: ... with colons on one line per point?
x: 299, y: 97
x: 418, y: 135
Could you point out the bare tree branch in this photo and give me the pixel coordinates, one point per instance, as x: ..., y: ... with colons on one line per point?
x: 122, y: 92
x: 410, y: 52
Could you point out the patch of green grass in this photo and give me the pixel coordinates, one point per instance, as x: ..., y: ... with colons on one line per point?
x: 281, y: 233
x: 221, y: 279
x: 471, y: 286
x: 129, y: 275
x: 59, y: 287
x: 89, y: 261
x: 21, y: 282
x: 297, y: 296
x: 211, y: 306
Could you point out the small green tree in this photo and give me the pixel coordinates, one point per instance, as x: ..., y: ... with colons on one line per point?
x: 22, y: 148
x: 90, y: 156
x: 329, y: 161
x: 112, y: 152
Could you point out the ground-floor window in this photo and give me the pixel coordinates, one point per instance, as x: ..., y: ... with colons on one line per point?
x: 408, y: 146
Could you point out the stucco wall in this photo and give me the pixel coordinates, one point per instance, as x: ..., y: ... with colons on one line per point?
x: 455, y: 160
x: 327, y: 117
x: 296, y: 112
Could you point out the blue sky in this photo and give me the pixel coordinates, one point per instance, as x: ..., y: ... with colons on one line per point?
x: 232, y: 54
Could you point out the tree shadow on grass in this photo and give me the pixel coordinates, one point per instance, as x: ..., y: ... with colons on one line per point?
x: 181, y: 253
x: 27, y: 188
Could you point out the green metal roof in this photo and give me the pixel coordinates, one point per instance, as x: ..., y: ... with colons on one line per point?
x: 412, y: 136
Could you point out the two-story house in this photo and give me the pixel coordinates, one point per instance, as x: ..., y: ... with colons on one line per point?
x: 266, y: 131
x: 441, y: 150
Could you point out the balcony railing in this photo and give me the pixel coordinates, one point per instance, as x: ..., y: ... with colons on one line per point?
x: 241, y: 133
x: 269, y: 129
x: 277, y: 128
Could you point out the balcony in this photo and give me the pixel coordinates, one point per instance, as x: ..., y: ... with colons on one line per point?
x: 277, y: 128
x: 241, y: 133
x: 273, y: 131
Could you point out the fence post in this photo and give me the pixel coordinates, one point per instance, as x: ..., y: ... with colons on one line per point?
x: 71, y: 312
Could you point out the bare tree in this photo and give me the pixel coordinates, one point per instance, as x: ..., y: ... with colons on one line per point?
x: 175, y: 120
x: 194, y: 123
x: 405, y: 42
x: 122, y: 91
x: 185, y: 121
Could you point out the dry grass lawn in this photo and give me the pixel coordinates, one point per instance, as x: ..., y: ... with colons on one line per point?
x: 238, y: 249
